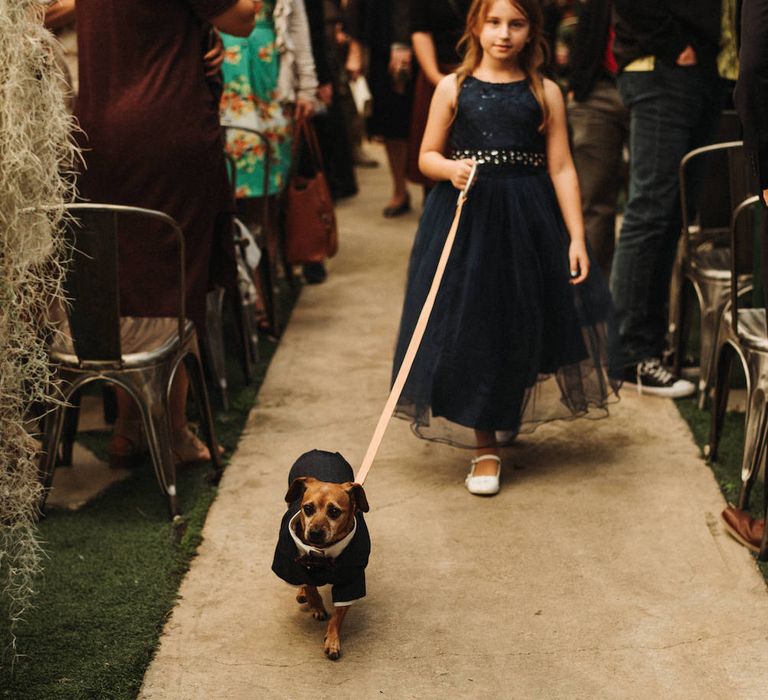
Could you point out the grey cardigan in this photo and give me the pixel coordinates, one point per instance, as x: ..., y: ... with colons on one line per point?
x: 297, y: 77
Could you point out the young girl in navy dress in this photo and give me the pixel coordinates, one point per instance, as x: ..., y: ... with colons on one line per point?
x: 518, y: 332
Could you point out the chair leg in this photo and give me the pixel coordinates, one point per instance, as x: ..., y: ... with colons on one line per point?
x: 195, y: 374
x: 214, y: 344
x: 156, y: 419
x: 754, y: 438
x: 69, y: 429
x: 713, y: 301
x: 754, y: 423
x: 723, y: 364
x: 245, y: 334
x: 677, y: 312
x: 268, y: 270
x: 54, y: 424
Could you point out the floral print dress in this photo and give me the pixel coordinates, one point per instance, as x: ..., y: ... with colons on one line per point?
x: 251, y: 68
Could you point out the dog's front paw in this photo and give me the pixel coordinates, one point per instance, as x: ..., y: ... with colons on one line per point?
x: 332, y: 648
x: 308, y: 595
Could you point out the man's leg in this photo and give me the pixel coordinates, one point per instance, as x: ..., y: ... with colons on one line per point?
x: 666, y: 107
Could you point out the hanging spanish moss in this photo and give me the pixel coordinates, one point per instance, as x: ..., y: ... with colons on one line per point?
x: 36, y: 155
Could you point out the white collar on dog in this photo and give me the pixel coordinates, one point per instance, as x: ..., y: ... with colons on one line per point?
x: 332, y: 552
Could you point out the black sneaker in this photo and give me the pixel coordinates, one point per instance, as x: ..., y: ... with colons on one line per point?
x: 652, y: 378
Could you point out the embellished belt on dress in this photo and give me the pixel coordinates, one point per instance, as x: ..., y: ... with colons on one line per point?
x: 493, y: 156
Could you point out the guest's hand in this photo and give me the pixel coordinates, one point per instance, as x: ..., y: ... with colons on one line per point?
x: 304, y: 109
x: 687, y: 57
x: 354, y: 64
x: 765, y: 197
x: 59, y: 13
x: 339, y: 35
x: 400, y: 60
x: 214, y: 57
x: 325, y: 93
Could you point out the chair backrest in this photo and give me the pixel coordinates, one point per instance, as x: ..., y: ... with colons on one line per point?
x: 744, y: 233
x: 92, y: 282
x: 712, y: 183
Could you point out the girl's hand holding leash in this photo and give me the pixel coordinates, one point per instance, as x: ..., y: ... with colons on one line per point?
x: 461, y: 172
x: 579, y: 261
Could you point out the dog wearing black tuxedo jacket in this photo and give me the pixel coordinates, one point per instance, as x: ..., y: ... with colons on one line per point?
x: 323, y: 538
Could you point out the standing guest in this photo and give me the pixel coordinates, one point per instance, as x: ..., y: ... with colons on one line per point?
x: 384, y: 28
x: 270, y: 82
x: 329, y: 125
x: 436, y: 27
x: 517, y: 333
x: 599, y: 123
x: 751, y: 99
x: 145, y: 144
x: 332, y: 123
x: 666, y: 52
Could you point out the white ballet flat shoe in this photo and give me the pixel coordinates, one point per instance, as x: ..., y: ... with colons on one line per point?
x: 483, y: 485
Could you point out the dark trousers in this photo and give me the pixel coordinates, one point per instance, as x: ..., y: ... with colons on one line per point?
x: 673, y: 110
x: 599, y: 130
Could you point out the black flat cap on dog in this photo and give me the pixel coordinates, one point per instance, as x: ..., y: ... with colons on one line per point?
x: 323, y: 466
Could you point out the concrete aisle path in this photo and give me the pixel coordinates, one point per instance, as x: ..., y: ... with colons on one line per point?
x: 600, y: 571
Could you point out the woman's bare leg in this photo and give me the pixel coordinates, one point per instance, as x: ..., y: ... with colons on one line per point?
x: 127, y: 433
x: 397, y: 155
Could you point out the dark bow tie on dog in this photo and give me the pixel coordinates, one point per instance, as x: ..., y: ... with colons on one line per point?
x: 316, y: 563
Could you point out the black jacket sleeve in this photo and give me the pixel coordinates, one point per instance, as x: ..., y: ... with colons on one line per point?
x: 588, y: 49
x: 655, y: 27
x: 663, y: 28
x: 751, y: 94
x: 316, y: 19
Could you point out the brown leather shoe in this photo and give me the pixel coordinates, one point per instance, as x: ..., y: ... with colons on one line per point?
x: 744, y: 528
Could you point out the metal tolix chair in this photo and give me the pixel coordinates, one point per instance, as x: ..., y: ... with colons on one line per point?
x: 703, y: 257
x: 742, y: 334
x: 140, y: 355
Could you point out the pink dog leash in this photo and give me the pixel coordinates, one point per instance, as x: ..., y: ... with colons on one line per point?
x: 416, y: 338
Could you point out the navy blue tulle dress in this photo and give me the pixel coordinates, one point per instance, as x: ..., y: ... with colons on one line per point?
x: 510, y: 343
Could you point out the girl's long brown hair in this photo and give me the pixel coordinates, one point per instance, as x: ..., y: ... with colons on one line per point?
x: 530, y: 59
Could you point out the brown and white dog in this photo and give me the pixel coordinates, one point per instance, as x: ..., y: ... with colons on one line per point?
x: 323, y: 538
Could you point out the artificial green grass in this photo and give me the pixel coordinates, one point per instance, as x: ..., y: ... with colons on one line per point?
x: 112, y: 573
x: 727, y: 469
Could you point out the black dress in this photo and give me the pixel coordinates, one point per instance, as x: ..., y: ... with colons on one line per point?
x: 379, y: 24
x: 511, y: 343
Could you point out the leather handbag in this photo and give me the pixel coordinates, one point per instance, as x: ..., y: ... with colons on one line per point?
x: 310, y: 221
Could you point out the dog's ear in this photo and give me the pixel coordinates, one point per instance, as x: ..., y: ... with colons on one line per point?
x: 296, y: 489
x: 357, y: 495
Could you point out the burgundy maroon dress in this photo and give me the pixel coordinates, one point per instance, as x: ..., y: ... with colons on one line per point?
x: 152, y: 139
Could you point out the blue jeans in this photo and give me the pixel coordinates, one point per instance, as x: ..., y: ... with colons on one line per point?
x: 673, y: 109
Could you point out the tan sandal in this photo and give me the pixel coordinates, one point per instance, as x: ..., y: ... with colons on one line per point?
x: 188, y: 448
